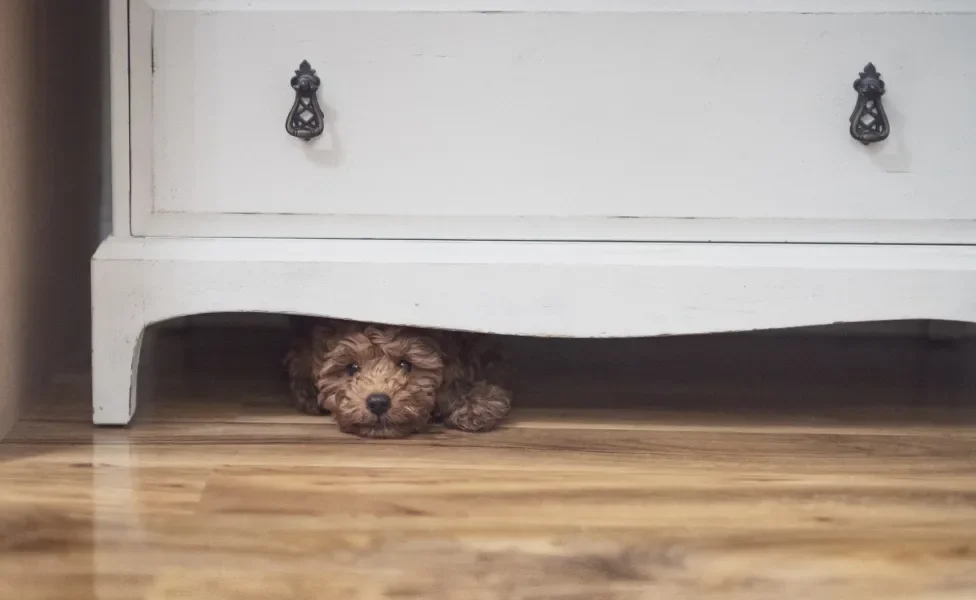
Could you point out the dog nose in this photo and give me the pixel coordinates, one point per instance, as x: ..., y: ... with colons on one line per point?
x: 378, y: 403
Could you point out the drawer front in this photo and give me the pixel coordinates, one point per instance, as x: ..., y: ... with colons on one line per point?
x: 573, y: 125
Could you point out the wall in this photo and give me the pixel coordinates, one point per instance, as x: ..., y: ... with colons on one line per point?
x: 51, y: 181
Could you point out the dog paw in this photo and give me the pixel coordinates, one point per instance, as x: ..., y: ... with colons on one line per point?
x: 481, y: 408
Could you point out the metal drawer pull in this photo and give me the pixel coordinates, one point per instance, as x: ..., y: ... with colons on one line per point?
x: 305, y: 119
x: 869, y: 123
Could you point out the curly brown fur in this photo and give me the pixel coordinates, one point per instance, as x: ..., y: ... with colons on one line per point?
x: 299, y: 362
x: 475, y: 395
x: 337, y: 366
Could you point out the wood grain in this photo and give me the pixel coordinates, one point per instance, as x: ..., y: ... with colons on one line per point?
x: 220, y: 491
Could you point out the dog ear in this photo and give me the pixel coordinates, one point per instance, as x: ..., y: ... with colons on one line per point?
x: 427, y: 353
x: 445, y: 341
x: 329, y: 332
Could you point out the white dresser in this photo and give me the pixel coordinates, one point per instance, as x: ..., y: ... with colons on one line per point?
x: 583, y: 168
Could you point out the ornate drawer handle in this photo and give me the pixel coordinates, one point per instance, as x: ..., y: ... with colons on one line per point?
x: 305, y: 119
x: 869, y: 123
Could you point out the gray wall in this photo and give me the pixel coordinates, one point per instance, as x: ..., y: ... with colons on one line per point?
x: 51, y: 189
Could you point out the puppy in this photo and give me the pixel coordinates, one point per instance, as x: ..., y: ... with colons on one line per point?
x: 382, y: 381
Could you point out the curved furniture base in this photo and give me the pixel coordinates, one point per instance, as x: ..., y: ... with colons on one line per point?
x: 552, y: 289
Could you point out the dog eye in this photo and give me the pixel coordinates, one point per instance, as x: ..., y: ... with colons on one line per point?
x: 405, y: 365
x: 352, y: 370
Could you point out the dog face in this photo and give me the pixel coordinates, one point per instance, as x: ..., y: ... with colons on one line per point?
x: 379, y: 381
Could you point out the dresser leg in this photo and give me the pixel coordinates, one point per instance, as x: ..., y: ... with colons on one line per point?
x: 117, y: 333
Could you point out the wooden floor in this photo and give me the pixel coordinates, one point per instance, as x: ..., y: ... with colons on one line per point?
x: 220, y: 491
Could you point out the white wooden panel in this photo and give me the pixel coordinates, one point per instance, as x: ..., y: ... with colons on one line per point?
x: 119, y: 101
x: 539, y: 289
x: 558, y: 229
x: 552, y: 289
x: 627, y: 6
x: 603, y: 116
x: 142, y: 122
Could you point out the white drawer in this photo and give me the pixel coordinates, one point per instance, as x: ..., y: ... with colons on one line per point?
x: 638, y: 122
